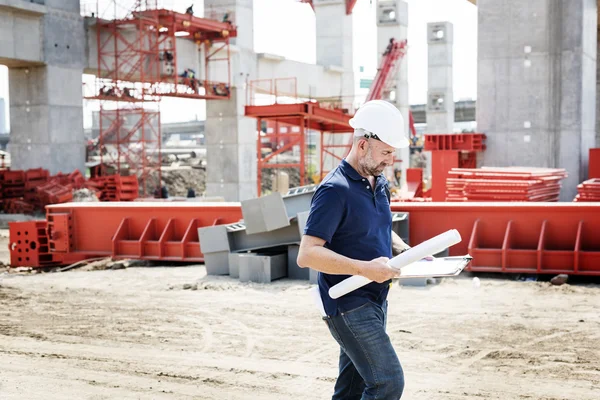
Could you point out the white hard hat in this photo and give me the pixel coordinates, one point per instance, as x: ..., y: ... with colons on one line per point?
x: 382, y: 119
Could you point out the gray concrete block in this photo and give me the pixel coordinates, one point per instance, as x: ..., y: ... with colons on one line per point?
x: 298, y: 199
x: 401, y: 225
x: 313, y: 275
x: 239, y: 240
x: 264, y: 214
x: 418, y: 282
x: 302, y: 219
x: 262, y: 268
x: 234, y: 264
x: 217, y: 263
x: 214, y: 239
x: 293, y: 270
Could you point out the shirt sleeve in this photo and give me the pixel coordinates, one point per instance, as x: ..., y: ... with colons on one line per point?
x: 326, y: 213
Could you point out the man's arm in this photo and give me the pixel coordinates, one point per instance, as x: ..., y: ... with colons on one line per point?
x: 312, y: 254
x: 398, y: 245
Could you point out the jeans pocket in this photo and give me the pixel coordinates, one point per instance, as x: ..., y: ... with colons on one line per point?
x: 364, y: 320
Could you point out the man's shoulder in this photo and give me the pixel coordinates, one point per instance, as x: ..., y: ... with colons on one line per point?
x: 335, y: 181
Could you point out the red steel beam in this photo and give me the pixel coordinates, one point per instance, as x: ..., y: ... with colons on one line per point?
x: 537, y: 238
x: 318, y: 118
x: 540, y: 238
x: 150, y: 231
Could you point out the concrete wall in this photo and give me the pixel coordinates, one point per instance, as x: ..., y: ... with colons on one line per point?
x: 537, y: 84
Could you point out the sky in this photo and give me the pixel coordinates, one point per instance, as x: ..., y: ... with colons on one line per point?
x: 292, y: 34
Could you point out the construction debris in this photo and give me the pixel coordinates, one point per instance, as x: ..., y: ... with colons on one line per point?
x: 179, y: 180
x: 84, y: 195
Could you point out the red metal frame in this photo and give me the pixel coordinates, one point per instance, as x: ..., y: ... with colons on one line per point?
x: 306, y: 116
x: 149, y: 231
x: 387, y: 68
x: 135, y: 148
x: 451, y: 151
x: 132, y: 48
x: 539, y: 238
x: 594, y: 164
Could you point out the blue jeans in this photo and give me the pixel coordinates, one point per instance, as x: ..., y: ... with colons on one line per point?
x: 369, y: 367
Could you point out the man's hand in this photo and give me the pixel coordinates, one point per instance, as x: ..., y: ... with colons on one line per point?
x: 377, y: 270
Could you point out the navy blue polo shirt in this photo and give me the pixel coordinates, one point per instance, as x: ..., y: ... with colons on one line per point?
x: 355, y: 221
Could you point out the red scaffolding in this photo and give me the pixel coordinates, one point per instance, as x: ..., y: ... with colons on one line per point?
x: 280, y: 106
x: 138, y: 64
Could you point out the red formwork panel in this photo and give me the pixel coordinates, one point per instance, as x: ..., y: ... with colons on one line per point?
x: 149, y: 231
x: 542, y: 238
x: 594, y: 164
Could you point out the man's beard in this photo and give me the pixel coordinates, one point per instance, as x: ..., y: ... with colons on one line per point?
x: 371, y: 169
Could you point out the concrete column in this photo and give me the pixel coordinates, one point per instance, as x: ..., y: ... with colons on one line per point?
x: 537, y: 84
x: 46, y: 113
x: 334, y: 51
x: 392, y: 22
x: 597, y: 97
x: 440, y: 95
x: 230, y: 136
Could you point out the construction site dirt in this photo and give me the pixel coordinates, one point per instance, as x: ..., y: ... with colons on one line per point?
x: 174, y: 333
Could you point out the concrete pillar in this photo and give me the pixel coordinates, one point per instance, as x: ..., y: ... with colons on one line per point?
x: 537, y: 84
x: 2, y: 116
x: 392, y: 22
x: 597, y: 97
x: 440, y: 95
x: 46, y: 112
x: 334, y: 51
x: 230, y: 136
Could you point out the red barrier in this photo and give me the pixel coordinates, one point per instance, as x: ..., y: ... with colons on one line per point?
x: 543, y: 238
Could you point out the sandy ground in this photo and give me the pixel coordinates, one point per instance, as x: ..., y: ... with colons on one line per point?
x: 136, y: 333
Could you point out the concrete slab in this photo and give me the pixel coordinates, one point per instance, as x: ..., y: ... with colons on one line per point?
x: 261, y: 268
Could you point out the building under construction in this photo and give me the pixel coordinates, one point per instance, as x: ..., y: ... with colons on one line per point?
x: 229, y: 198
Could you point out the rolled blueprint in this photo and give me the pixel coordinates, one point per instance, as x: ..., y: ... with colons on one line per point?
x: 432, y: 246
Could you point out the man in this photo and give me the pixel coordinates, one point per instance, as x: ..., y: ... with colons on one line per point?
x: 349, y: 232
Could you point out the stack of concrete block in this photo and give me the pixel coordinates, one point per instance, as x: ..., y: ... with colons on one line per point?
x: 264, y: 245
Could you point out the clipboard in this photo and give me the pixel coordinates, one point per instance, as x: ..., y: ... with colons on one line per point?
x: 437, y: 268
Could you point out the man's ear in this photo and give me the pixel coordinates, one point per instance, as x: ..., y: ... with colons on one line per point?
x: 362, y: 144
